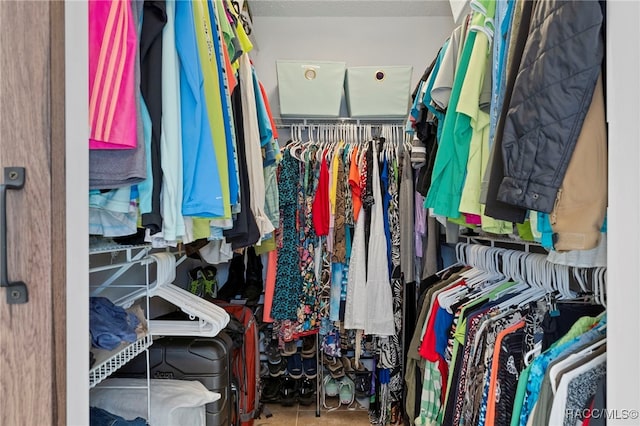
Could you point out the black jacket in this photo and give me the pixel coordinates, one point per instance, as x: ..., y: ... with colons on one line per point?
x: 560, y: 64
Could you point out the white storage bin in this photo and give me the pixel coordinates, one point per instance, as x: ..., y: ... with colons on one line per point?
x: 310, y: 88
x: 378, y: 91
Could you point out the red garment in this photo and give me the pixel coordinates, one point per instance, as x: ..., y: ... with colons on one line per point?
x: 354, y: 184
x: 320, y: 207
x: 270, y: 285
x: 587, y: 417
x: 427, y: 349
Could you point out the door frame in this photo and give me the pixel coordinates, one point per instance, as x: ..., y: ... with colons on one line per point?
x: 76, y: 58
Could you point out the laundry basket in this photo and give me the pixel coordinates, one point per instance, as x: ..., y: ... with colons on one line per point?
x: 378, y: 91
x: 310, y: 88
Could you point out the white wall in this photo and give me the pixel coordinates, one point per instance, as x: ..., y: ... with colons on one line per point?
x: 623, y: 291
x: 358, y: 41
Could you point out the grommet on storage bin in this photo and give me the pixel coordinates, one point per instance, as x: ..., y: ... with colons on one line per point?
x: 310, y: 74
x: 380, y: 75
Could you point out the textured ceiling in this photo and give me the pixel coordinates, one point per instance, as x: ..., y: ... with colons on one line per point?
x: 347, y: 8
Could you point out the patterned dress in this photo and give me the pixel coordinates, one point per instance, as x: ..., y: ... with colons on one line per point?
x: 288, y: 287
x: 309, y: 307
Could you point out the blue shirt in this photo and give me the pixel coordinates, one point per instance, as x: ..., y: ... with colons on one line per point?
x: 503, y: 18
x: 202, y: 194
x: 227, y: 113
x: 145, y: 188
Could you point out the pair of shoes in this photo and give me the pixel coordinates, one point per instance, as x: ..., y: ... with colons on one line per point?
x: 307, y: 392
x: 309, y: 347
x: 343, y: 388
x: 310, y: 367
x: 335, y: 367
x: 289, y: 391
x: 203, y: 281
x: 294, y: 366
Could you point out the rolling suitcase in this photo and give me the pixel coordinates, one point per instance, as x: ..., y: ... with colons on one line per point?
x: 206, y: 359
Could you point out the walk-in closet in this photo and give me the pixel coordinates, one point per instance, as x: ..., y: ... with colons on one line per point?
x: 256, y: 212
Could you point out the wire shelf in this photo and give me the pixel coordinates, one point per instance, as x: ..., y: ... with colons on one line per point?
x: 109, y: 246
x: 104, y: 368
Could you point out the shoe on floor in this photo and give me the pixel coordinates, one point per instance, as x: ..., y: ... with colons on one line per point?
x: 346, y: 391
x: 271, y: 389
x: 289, y: 391
x: 307, y: 392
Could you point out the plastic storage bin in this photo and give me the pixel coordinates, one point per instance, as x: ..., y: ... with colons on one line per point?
x: 310, y: 88
x: 378, y: 91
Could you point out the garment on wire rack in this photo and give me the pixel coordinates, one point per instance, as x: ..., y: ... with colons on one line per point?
x: 489, y: 344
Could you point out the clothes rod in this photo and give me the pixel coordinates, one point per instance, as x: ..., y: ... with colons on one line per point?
x: 380, y: 121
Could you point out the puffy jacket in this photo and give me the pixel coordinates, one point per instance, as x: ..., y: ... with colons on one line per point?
x: 560, y: 64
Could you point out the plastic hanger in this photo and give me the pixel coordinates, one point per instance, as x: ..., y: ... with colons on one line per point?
x: 211, y: 318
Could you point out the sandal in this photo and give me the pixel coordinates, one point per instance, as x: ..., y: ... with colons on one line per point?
x: 336, y: 369
x: 330, y: 388
x: 347, y: 391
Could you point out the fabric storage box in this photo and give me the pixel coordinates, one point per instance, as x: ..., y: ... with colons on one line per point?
x: 378, y: 91
x: 310, y: 88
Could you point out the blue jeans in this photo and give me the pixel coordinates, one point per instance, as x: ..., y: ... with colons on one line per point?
x: 100, y: 417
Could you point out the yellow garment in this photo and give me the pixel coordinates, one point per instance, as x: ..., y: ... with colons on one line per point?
x: 201, y: 228
x: 243, y: 38
x: 213, y: 97
x: 333, y: 189
x: 477, y: 79
x: 266, y: 246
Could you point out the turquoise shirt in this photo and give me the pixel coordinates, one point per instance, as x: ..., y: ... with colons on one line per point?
x: 145, y: 188
x: 450, y: 166
x: 171, y: 137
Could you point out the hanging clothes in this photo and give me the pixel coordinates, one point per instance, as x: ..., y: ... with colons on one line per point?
x: 113, y: 40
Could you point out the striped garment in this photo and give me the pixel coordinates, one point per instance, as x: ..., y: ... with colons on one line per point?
x: 112, y: 91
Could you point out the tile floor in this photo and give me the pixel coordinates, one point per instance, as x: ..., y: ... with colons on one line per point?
x: 299, y: 415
